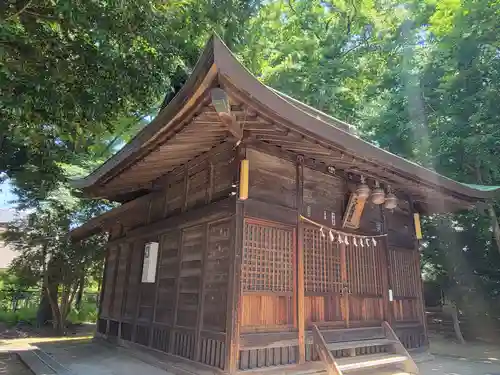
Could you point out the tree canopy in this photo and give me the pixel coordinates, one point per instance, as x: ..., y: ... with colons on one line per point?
x: 420, y: 79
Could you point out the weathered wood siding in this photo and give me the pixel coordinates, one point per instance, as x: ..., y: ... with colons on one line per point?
x: 184, y: 311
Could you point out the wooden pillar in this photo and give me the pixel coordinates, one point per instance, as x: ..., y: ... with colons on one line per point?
x: 233, y: 311
x: 103, y: 282
x: 386, y: 272
x: 420, y: 286
x: 299, y: 267
x: 345, y: 283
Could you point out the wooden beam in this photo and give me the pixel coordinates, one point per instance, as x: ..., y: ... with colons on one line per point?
x: 233, y: 311
x: 216, y: 210
x: 221, y: 147
x: 300, y: 286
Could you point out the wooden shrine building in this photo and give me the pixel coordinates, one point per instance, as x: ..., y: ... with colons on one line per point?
x: 256, y: 231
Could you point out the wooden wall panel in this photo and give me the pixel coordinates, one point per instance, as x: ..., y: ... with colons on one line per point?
x: 109, y: 282
x: 371, y: 220
x: 116, y: 311
x: 174, y: 194
x: 157, y: 208
x: 189, y: 276
x: 271, y: 179
x: 224, y: 170
x: 405, y: 275
x: 146, y: 302
x: 217, y: 276
x: 133, y: 280
x: 400, y: 229
x: 365, y: 309
x: 198, y: 183
x: 324, y: 197
x: 167, y: 278
x: 266, y: 311
x: 323, y: 308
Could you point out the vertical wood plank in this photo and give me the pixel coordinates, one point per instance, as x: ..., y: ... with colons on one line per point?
x: 386, y: 270
x: 233, y: 312
x: 345, y: 291
x: 300, y: 287
x: 115, y: 276
x: 186, y: 188
x: 201, y: 295
x: 166, y: 197
x: 420, y: 289
x: 139, y: 291
x: 177, y: 290
x: 157, y: 282
x: 103, y: 282
x: 211, y: 179
x: 127, y: 275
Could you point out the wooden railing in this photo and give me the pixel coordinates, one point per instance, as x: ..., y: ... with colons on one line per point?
x: 324, y: 353
x: 409, y: 365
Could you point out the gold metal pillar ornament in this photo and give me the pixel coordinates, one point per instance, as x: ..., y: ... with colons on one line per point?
x: 418, y: 228
x: 244, y: 168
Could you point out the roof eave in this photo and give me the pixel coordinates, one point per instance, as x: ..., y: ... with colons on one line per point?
x: 229, y: 67
x: 198, y: 78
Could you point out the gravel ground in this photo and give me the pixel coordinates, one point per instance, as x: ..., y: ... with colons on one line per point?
x: 11, y: 365
x: 454, y: 366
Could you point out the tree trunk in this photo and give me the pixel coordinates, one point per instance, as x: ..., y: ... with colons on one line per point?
x: 456, y: 324
x: 494, y: 224
x: 44, y: 312
x: 79, y: 295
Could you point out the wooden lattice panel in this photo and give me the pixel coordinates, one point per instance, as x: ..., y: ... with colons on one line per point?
x: 364, y: 268
x: 267, y: 258
x: 321, y: 263
x: 405, y: 272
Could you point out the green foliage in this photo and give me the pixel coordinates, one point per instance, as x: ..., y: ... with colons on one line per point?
x: 77, y: 78
x: 86, y: 314
x: 23, y: 315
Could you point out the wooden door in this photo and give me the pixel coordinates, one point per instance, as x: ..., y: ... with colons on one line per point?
x: 365, y: 282
x: 267, y: 277
x: 325, y: 280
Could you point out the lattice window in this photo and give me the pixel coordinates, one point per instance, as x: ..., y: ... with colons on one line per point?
x: 267, y: 258
x: 364, y: 269
x: 404, y: 272
x: 321, y: 263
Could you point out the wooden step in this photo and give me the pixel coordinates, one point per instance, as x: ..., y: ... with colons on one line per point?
x: 353, y: 334
x: 368, y: 361
x: 358, y: 344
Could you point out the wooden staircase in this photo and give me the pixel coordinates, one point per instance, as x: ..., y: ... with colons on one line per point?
x: 390, y: 355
